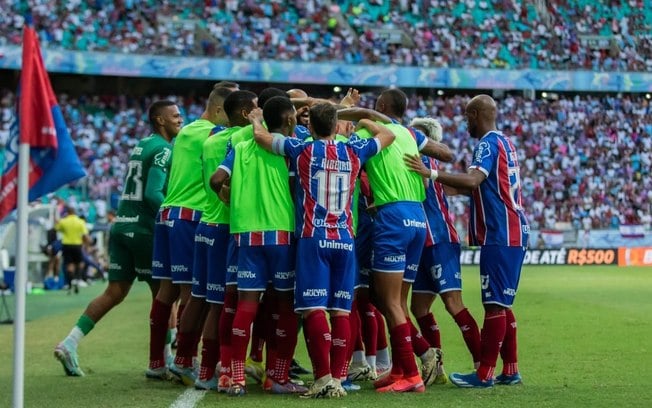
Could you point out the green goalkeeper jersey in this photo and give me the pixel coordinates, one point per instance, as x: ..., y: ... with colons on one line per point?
x: 214, y: 152
x: 144, y: 186
x: 390, y: 179
x: 185, y: 185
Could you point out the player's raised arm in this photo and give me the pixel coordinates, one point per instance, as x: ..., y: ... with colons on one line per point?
x: 356, y: 114
x: 461, y: 182
x: 437, y: 150
x: 384, y: 135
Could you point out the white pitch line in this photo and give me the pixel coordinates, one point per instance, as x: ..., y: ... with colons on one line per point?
x: 188, y: 399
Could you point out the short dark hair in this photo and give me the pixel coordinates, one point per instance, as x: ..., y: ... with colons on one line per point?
x: 226, y: 84
x: 218, y: 95
x: 395, y: 100
x: 274, y: 111
x: 268, y: 93
x: 155, y: 110
x: 323, y: 119
x: 237, y: 101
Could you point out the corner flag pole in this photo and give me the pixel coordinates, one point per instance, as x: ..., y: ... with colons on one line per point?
x: 20, y: 280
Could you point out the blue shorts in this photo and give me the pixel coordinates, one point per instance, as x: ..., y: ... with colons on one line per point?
x: 209, y: 268
x: 173, y: 248
x: 500, y: 272
x: 325, y: 274
x: 363, y: 250
x: 439, y: 269
x: 258, y: 265
x: 399, y: 236
x: 232, y: 263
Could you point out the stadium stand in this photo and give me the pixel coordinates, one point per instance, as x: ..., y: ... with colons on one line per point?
x: 571, y: 146
x: 565, y: 34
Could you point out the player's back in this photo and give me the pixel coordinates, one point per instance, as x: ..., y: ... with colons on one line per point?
x: 135, y: 214
x: 214, y: 152
x: 260, y: 185
x: 185, y: 184
x: 497, y: 216
x: 327, y: 175
x: 390, y: 179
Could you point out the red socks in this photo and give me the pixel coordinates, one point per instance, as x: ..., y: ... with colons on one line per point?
x: 402, y: 353
x: 470, y: 333
x: 493, y: 333
x: 318, y: 342
x: 158, y: 327
x: 369, y: 328
x: 341, y: 335
x: 419, y: 344
x: 430, y: 330
x: 185, y: 343
x: 226, y: 322
x: 244, y: 316
x: 381, y: 342
x: 508, y: 350
x: 209, y: 356
x: 258, y: 333
x: 286, y: 341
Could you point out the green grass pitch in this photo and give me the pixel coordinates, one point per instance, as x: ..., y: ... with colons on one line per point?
x: 585, y: 338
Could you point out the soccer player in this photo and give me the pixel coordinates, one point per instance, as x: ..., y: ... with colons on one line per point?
x: 262, y: 221
x: 75, y: 235
x: 399, y: 236
x: 499, y: 226
x: 439, y: 269
x: 327, y: 171
x: 132, y: 234
x: 174, y: 240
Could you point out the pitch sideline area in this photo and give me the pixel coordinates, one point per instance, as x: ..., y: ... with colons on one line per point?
x: 584, y: 341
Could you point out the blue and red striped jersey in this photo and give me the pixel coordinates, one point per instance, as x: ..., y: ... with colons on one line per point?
x: 440, y: 227
x: 497, y: 216
x: 326, y: 171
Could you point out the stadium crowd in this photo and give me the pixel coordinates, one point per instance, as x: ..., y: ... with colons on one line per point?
x: 572, y: 146
x: 567, y: 34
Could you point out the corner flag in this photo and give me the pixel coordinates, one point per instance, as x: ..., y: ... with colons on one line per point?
x: 38, y: 123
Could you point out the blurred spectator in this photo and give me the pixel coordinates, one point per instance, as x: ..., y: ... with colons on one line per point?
x: 563, y: 34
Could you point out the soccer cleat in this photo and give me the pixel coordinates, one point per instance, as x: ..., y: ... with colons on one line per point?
x: 169, y: 360
x: 67, y: 356
x: 320, y: 388
x: 440, y: 374
x: 206, y: 385
x: 336, y: 390
x: 185, y: 375
x: 350, y: 386
x: 255, y: 369
x: 405, y: 384
x: 359, y: 371
x: 383, y: 371
x: 296, y: 369
x: 287, y: 388
x: 387, y: 380
x: 470, y: 380
x: 429, y: 362
x: 505, y: 379
x: 161, y: 373
x: 237, y: 390
x: 224, y: 383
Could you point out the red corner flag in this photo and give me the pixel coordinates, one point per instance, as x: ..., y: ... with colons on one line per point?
x: 53, y: 160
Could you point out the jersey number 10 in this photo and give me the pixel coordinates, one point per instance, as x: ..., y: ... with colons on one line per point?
x: 332, y: 190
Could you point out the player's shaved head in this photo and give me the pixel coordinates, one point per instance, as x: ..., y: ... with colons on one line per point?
x: 238, y: 105
x: 217, y: 96
x: 392, y: 102
x: 481, y: 115
x: 233, y: 86
x: 279, y: 112
x: 297, y: 93
x: 268, y: 93
x: 323, y: 119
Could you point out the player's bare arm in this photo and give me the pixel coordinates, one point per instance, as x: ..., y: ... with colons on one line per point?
x: 218, y: 179
x: 261, y: 135
x: 385, y: 136
x: 438, y: 151
x: 352, y: 98
x: 461, y: 182
x: 355, y: 114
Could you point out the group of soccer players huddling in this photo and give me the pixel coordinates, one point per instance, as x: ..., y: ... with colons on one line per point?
x: 273, y: 210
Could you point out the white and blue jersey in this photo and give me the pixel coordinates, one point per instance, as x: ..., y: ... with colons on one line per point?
x: 497, y: 217
x: 301, y: 132
x: 440, y: 226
